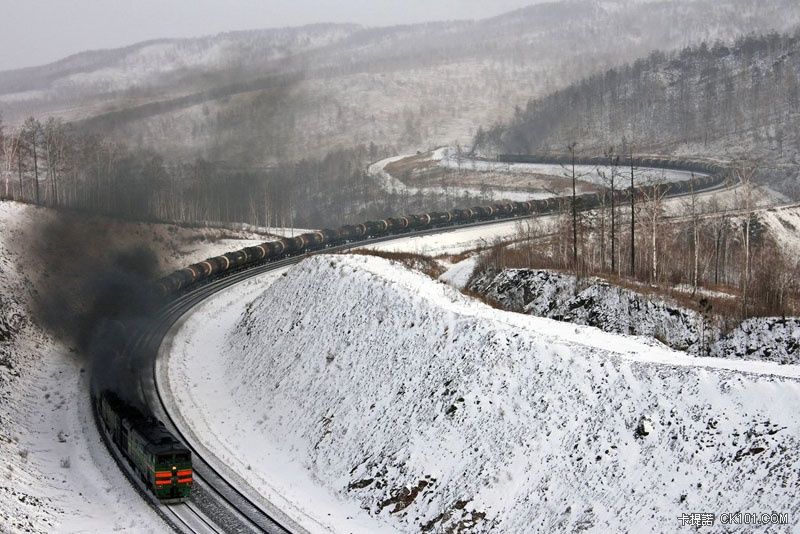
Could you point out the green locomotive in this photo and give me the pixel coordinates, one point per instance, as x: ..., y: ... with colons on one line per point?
x: 162, y: 462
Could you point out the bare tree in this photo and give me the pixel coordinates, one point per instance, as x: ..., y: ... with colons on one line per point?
x: 572, y: 173
x: 654, y: 194
x: 571, y: 148
x: 54, y: 145
x: 633, y: 221
x: 18, y: 146
x: 32, y: 128
x: 610, y: 180
x: 3, y: 158
x: 744, y: 171
x: 695, y: 218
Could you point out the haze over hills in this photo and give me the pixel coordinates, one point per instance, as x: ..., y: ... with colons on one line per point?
x: 296, y: 248
x: 739, y: 101
x: 257, y: 97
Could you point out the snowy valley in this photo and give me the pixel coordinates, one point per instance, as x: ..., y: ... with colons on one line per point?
x: 430, y: 411
x: 532, y: 272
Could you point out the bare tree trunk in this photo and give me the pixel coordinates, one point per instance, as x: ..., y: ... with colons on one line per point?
x: 745, y: 294
x: 654, y: 200
x: 19, y: 170
x: 574, y: 214
x: 633, y: 224
x: 654, y: 273
x: 35, y: 170
x: 746, y: 172
x: 695, y: 237
x: 613, y: 225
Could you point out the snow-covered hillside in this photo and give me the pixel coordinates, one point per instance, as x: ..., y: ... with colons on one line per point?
x: 774, y: 339
x: 434, y: 412
x: 408, y: 86
x: 595, y: 302
x: 55, y: 473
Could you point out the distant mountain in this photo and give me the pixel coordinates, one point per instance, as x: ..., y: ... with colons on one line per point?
x: 739, y: 100
x: 252, y: 98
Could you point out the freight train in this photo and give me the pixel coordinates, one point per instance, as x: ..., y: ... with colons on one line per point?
x: 162, y: 463
x: 312, y: 241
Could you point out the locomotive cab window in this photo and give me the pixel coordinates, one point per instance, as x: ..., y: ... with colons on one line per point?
x: 181, y: 457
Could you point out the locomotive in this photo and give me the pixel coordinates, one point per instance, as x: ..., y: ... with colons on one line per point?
x: 163, y: 464
x: 328, y: 237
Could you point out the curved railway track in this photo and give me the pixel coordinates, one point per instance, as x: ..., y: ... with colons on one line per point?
x: 217, y: 504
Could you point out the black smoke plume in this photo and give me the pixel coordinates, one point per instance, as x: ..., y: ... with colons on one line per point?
x: 95, y: 290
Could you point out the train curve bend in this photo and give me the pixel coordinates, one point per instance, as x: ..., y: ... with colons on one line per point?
x: 219, y: 503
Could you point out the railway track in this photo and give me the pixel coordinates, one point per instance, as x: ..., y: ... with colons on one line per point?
x: 218, y: 504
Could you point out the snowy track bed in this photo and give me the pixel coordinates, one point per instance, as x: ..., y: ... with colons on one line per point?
x: 196, y: 378
x: 374, y: 399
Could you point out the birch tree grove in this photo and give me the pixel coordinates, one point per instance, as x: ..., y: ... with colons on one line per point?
x: 52, y: 164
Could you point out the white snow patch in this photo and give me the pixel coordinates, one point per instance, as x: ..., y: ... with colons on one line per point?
x: 195, y: 365
x: 592, y: 174
x: 459, y: 273
x: 392, y: 184
x: 379, y: 381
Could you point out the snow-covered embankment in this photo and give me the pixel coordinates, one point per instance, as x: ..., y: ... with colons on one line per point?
x: 430, y: 410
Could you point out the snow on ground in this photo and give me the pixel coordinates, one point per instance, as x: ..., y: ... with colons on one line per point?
x: 449, y: 158
x: 593, y: 174
x: 390, y: 183
x: 459, y: 273
x: 454, y: 241
x: 774, y: 339
x: 595, y: 302
x: 194, y: 363
x: 55, y: 473
x: 784, y: 224
x: 398, y: 395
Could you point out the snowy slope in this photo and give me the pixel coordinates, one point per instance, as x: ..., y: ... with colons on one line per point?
x: 55, y: 473
x: 430, y: 410
x: 585, y: 173
x: 784, y: 225
x: 379, y: 173
x: 594, y: 302
x: 774, y: 339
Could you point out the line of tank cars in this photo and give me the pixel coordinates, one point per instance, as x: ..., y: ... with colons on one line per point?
x: 328, y: 237
x: 311, y: 241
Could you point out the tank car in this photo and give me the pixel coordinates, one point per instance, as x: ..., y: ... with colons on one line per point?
x: 441, y: 217
x: 397, y: 224
x: 463, y: 214
x: 523, y: 207
x: 503, y: 210
x: 483, y: 212
x: 236, y: 259
x: 256, y: 253
x: 330, y: 236
x: 375, y: 228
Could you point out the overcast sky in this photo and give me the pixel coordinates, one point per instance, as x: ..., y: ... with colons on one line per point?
x: 33, y: 32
